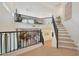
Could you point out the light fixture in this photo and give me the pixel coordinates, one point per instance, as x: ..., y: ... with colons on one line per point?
x: 18, y: 17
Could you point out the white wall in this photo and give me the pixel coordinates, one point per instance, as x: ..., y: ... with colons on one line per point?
x: 6, y: 24
x: 73, y: 24
x: 35, y: 9
x: 59, y: 11
x: 6, y: 20
x: 48, y: 21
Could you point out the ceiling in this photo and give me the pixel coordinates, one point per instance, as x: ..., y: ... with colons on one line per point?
x: 36, y: 9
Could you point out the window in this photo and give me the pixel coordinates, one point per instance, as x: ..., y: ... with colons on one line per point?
x: 28, y: 21
x: 31, y: 21
x: 24, y: 21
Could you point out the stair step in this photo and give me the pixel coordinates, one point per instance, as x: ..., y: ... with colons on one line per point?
x: 59, y: 24
x: 65, y: 39
x: 61, y: 41
x: 63, y: 35
x: 61, y: 27
x: 66, y: 44
x: 66, y: 47
x: 63, y: 32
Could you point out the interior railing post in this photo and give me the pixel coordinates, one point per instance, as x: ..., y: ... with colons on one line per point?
x: 20, y: 40
x: 6, y: 42
x: 1, y: 43
x: 41, y: 38
x: 26, y: 39
x: 10, y: 41
x: 14, y: 41
x: 23, y: 41
x: 17, y: 39
x: 57, y: 35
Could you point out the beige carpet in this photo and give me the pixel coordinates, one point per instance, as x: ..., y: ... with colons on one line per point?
x: 48, y: 44
x: 51, y: 52
x: 47, y: 50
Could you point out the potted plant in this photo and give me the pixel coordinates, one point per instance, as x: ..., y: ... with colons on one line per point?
x: 58, y: 19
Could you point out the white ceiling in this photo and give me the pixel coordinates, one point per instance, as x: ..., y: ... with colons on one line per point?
x: 36, y: 9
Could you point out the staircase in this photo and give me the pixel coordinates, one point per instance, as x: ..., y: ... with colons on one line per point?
x: 64, y: 39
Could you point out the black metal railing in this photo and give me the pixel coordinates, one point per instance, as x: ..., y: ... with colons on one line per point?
x: 55, y: 29
x: 14, y: 40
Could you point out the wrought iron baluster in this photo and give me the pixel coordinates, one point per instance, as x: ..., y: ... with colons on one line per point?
x: 5, y: 37
x: 17, y: 40
x: 14, y: 41
x: 20, y: 45
x: 10, y: 41
x: 1, y: 42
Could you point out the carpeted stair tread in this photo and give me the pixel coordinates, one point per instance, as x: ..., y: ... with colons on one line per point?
x: 64, y: 39
x: 67, y: 44
x: 63, y: 35
x: 62, y: 32
x: 61, y: 27
x: 71, y: 48
x: 69, y: 40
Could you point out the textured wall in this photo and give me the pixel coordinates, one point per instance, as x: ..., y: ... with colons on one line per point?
x: 73, y: 24
x: 6, y: 20
x: 68, y: 11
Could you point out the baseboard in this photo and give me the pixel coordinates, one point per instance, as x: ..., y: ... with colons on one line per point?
x: 20, y: 51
